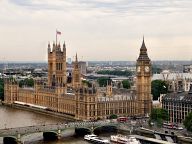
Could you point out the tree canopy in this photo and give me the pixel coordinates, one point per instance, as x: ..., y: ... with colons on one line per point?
x: 126, y: 84
x: 113, y: 116
x: 188, y: 122
x: 88, y: 83
x: 115, y: 72
x: 158, y: 87
x: 103, y: 81
x: 159, y: 115
x: 26, y: 82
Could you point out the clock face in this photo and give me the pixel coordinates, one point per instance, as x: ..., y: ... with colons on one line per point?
x: 146, y: 69
x: 138, y: 69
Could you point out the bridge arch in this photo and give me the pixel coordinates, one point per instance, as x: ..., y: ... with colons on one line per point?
x: 50, y: 135
x: 81, y: 131
x: 10, y: 140
x: 105, y: 128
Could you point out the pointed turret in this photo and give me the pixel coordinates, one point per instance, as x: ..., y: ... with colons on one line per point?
x: 49, y: 48
x: 143, y: 52
x: 49, y: 45
x: 109, y: 88
x: 76, y: 74
x: 76, y: 62
x: 143, y: 44
x: 64, y: 47
x: 59, y: 46
x: 54, y: 46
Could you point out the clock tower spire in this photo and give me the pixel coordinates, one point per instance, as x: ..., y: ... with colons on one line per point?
x: 143, y: 82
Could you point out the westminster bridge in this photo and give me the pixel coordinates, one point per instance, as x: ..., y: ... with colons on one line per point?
x: 55, y: 131
x: 14, y: 135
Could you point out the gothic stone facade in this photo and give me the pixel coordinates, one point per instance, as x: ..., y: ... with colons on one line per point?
x: 72, y: 97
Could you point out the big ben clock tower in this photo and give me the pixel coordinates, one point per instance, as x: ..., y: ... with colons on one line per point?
x: 143, y: 82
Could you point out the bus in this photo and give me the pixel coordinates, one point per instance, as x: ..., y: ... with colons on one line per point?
x: 168, y: 125
x: 172, y: 126
x: 122, y: 119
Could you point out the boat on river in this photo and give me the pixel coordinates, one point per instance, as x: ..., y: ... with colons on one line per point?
x: 121, y: 139
x: 95, y: 139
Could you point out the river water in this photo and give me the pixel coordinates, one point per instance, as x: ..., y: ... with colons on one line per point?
x: 11, y: 117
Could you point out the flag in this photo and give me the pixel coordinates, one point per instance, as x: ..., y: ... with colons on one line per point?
x: 58, y: 32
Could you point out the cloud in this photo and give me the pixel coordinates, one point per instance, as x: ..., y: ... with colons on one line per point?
x: 92, y: 27
x: 109, y: 6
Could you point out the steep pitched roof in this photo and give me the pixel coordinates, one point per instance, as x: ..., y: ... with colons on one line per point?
x: 143, y: 53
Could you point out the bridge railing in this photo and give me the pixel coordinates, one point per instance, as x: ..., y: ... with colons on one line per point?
x: 50, y: 127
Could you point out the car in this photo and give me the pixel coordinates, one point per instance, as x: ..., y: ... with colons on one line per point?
x: 152, y: 123
x: 179, y: 128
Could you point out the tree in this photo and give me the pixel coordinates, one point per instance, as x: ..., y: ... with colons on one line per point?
x: 126, y: 84
x: 26, y: 82
x: 88, y: 83
x: 103, y: 81
x: 159, y: 115
x: 165, y: 114
x: 115, y: 72
x: 188, y: 122
x: 158, y: 87
x: 1, y: 89
x: 113, y: 116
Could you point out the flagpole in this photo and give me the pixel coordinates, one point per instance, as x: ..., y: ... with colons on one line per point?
x: 56, y: 37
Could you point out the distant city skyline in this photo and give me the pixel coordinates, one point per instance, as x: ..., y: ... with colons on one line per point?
x: 98, y: 30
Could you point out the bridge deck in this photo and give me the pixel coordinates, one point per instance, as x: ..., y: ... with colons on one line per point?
x: 50, y: 127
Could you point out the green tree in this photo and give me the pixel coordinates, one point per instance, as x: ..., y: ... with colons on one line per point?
x: 159, y: 122
x: 26, y: 82
x: 113, y: 116
x: 115, y: 72
x: 103, y: 81
x: 88, y: 83
x: 126, y: 84
x: 159, y: 115
x: 1, y: 89
x: 188, y: 122
x: 165, y: 114
x: 158, y: 87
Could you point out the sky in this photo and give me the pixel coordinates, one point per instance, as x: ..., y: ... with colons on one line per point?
x: 106, y: 30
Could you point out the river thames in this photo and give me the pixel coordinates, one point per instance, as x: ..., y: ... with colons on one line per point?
x: 11, y: 118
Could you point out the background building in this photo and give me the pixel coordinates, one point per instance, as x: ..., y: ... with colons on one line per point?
x: 178, y: 104
x: 187, y: 68
x: 176, y: 81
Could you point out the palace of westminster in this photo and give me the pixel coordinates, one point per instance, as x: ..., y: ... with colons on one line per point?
x: 71, y: 96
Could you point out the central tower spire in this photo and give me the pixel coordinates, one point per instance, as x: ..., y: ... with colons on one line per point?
x: 143, y: 52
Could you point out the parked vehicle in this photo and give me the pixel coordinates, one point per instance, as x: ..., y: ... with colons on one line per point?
x: 122, y: 119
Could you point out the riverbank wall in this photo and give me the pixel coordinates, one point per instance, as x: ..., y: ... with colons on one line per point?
x: 41, y: 111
